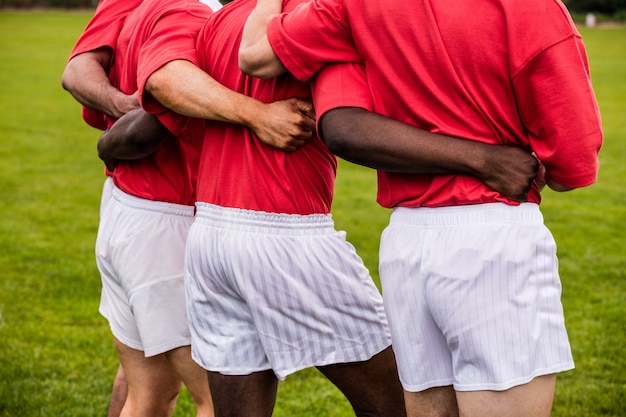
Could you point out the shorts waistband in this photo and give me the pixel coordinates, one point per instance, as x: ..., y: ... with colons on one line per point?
x: 470, y: 214
x: 151, y: 205
x: 264, y: 222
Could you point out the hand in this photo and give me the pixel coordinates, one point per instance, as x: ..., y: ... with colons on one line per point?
x: 510, y: 171
x: 287, y: 124
x: 130, y: 102
x: 125, y: 103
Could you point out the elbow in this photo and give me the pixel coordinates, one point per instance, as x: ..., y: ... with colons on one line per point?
x: 338, y: 131
x: 102, y: 146
x: 246, y: 61
x: 245, y: 64
x: 153, y: 85
x: 335, y: 140
x: 65, y: 83
x: 335, y: 145
x: 259, y: 64
x: 164, y: 87
x: 67, y: 78
x: 249, y: 66
x: 76, y: 68
x: 157, y: 87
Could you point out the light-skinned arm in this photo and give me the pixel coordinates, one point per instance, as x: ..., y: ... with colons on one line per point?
x: 85, y: 77
x: 256, y: 56
x: 186, y: 89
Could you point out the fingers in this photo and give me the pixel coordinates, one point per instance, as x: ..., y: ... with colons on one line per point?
x: 306, y: 108
x: 291, y: 125
x: 296, y: 143
x: 305, y: 118
x: 309, y: 125
x: 290, y: 143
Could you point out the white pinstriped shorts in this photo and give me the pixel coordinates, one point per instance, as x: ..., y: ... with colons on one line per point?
x: 473, y: 297
x: 276, y: 291
x: 140, y: 252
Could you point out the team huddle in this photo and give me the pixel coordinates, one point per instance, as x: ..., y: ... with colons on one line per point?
x: 221, y: 266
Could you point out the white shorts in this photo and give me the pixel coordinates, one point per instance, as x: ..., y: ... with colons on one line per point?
x: 140, y: 252
x: 277, y: 291
x: 473, y: 297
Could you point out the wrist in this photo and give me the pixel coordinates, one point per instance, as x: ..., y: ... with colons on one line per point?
x: 480, y: 164
x: 254, y: 112
x: 124, y: 103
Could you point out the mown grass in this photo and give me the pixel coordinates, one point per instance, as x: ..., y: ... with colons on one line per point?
x: 56, y: 353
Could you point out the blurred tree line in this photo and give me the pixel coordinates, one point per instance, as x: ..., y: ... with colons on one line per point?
x: 606, y: 7
x: 58, y: 4
x: 615, y: 9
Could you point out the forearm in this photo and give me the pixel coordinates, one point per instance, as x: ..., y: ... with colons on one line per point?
x: 134, y: 136
x: 385, y: 144
x: 185, y: 89
x: 86, y: 79
x: 369, y: 139
x: 256, y: 56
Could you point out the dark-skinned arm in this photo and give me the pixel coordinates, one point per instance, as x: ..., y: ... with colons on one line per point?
x: 375, y: 141
x: 135, y: 135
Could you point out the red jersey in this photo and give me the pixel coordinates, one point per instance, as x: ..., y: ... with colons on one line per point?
x: 153, y: 32
x: 236, y: 169
x: 105, y: 25
x: 494, y: 71
x: 340, y: 85
x: 101, y: 32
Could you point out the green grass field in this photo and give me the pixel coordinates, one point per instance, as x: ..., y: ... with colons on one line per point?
x: 56, y: 352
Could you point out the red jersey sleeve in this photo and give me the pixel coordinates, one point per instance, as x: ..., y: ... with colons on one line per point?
x: 94, y: 118
x: 300, y: 52
x: 173, y: 38
x: 340, y: 85
x: 105, y: 25
x: 558, y: 107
